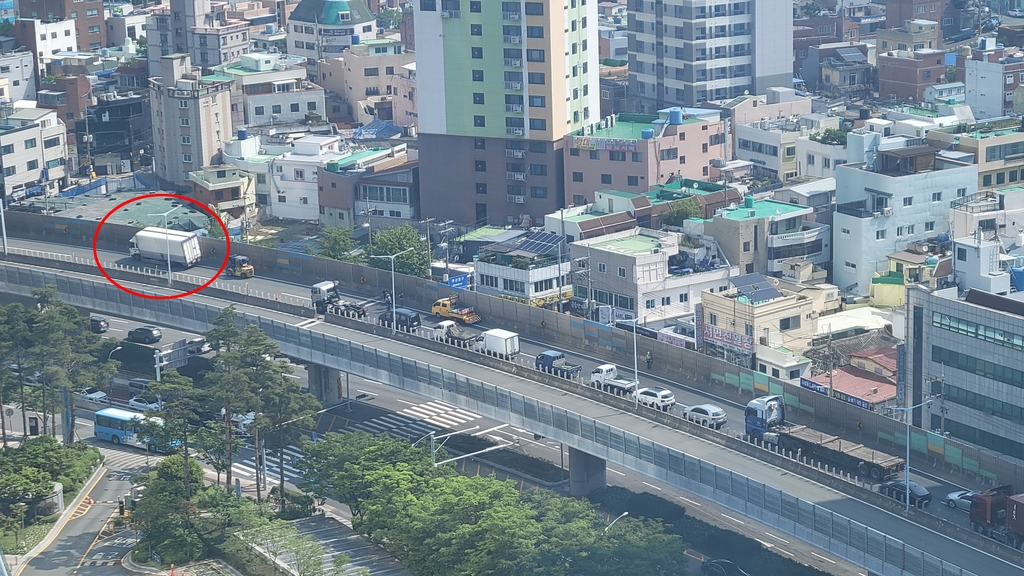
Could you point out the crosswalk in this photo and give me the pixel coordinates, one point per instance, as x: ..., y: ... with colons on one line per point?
x: 418, y: 420
x: 412, y: 422
x: 126, y: 461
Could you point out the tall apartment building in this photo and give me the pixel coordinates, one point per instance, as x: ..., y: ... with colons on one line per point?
x: 88, y: 17
x: 191, y: 119
x: 499, y: 86
x: 199, y: 28
x: 685, y: 52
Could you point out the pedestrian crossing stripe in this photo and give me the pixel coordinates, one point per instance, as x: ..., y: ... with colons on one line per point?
x: 104, y: 563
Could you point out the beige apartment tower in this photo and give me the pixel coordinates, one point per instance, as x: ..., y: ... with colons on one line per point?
x: 191, y: 119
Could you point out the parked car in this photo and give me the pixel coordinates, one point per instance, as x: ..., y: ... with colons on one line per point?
x: 706, y: 415
x: 1016, y: 13
x: 98, y: 324
x: 656, y: 397
x: 95, y: 394
x: 897, y: 490
x: 145, y: 335
x: 960, y: 499
x: 721, y: 568
x: 145, y: 403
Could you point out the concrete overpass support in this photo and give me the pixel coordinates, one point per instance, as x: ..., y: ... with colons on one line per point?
x: 327, y: 384
x: 586, y: 473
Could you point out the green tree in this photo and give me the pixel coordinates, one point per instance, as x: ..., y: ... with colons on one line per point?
x: 394, y: 240
x: 178, y: 408
x: 337, y: 244
x: 681, y: 210
x: 165, y: 514
x: 286, y: 410
x: 307, y: 556
x: 389, y: 19
x: 831, y: 136
x: 637, y: 545
x: 26, y: 485
x: 213, y: 228
x: 208, y: 441
x: 225, y: 330
x: 15, y: 341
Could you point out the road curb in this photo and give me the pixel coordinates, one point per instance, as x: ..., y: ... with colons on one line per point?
x: 130, y: 565
x: 63, y: 520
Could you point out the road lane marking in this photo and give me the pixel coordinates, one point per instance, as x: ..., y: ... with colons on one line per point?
x: 610, y: 469
x: 690, y: 501
x: 405, y: 402
x: 765, y: 544
x: 823, y: 558
x: 733, y: 519
x: 294, y: 296
x: 783, y: 540
x: 99, y: 535
x: 56, y: 530
x: 367, y: 393
x: 498, y: 427
x: 651, y: 485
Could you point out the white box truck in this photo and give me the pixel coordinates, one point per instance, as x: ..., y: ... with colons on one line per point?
x: 152, y: 244
x: 500, y: 343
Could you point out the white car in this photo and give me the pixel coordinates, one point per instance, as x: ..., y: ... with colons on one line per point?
x: 1016, y: 13
x: 145, y: 404
x: 706, y: 415
x: 95, y: 394
x: 656, y: 397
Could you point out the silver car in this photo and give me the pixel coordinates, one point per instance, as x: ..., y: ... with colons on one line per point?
x: 706, y: 415
x: 961, y: 499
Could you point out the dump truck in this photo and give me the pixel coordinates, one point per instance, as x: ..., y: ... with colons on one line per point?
x: 999, y: 514
x: 765, y: 420
x: 153, y: 243
x: 553, y: 362
x: 448, y: 331
x: 239, y: 266
x: 606, y: 377
x: 324, y: 294
x: 448, y: 307
x: 500, y: 343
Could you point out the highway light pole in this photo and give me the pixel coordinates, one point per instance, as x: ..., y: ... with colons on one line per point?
x: 636, y: 364
x: 621, y: 516
x: 394, y: 312
x: 112, y: 353
x: 906, y: 463
x: 167, y: 237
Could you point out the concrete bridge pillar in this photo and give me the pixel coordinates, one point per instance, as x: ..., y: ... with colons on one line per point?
x: 327, y: 384
x: 586, y: 473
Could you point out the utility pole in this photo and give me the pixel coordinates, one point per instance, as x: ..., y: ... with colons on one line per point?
x: 447, y: 248
x: 430, y: 271
x: 831, y: 361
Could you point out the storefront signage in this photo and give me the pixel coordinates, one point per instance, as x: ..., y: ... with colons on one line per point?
x: 612, y: 144
x: 730, y: 339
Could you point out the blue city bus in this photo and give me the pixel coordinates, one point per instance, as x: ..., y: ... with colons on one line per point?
x: 117, y: 425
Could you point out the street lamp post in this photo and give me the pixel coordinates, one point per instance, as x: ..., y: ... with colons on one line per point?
x: 447, y: 247
x: 369, y: 226
x: 906, y: 463
x: 112, y: 353
x: 621, y: 516
x: 636, y: 364
x: 394, y: 312
x: 167, y: 237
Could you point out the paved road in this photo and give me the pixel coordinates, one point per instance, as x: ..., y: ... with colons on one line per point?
x: 924, y: 539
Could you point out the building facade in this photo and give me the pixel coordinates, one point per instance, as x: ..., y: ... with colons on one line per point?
x: 200, y: 28
x: 191, y: 119
x: 906, y: 75
x: 228, y: 191
x: 33, y: 148
x: 771, y: 144
x: 86, y: 16
x: 901, y: 195
x: 370, y: 68
x: 271, y: 89
x: 997, y: 147
x: 499, y: 86
x: 964, y: 354
x: 633, y: 152
x: 322, y: 29
x: 686, y: 52
x: 991, y: 74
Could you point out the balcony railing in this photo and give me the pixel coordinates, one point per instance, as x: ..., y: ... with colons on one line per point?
x: 515, y: 131
x: 515, y: 199
x: 516, y: 176
x: 513, y: 85
x: 512, y: 39
x: 517, y: 108
x: 451, y: 14
x: 515, y: 153
x: 514, y: 62
x: 511, y: 15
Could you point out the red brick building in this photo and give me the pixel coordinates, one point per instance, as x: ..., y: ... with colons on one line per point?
x: 906, y: 74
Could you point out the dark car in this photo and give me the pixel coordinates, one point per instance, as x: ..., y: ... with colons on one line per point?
x: 897, y: 490
x: 145, y: 335
x: 98, y: 324
x: 721, y: 568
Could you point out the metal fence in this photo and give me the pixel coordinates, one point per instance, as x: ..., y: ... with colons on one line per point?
x: 842, y: 537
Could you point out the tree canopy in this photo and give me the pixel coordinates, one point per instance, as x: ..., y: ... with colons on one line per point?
x: 680, y: 210
x: 394, y: 240
x: 336, y: 243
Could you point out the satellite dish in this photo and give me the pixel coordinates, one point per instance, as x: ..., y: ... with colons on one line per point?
x: 746, y: 92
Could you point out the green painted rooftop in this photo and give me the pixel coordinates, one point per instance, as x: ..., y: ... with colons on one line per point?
x: 631, y: 245
x: 691, y: 186
x: 584, y: 217
x: 346, y: 161
x: 217, y: 78
x: 894, y: 278
x: 922, y: 112
x: 763, y: 209
x: 631, y: 126
x: 1011, y: 190
x: 488, y: 233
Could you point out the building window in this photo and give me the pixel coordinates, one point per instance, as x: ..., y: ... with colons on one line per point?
x: 534, y: 55
x: 637, y: 157
x: 601, y: 267
x: 908, y: 201
x: 51, y: 142
x: 9, y: 171
x: 186, y: 140
x: 477, y: 52
x: 538, y: 124
x: 186, y: 157
x: 183, y: 121
x: 476, y: 30
x: 632, y: 181
x: 478, y: 75
x: 479, y: 121
x: 539, y: 191
x: 538, y: 169
x: 300, y: 174
x: 986, y: 180
x: 481, y: 166
x: 791, y: 323
x: 595, y: 154
x: 30, y: 143
x: 535, y: 77
x: 281, y: 199
x: 961, y: 192
x: 295, y: 107
x: 478, y: 97
x: 606, y: 178
x: 33, y: 164
x: 649, y: 303
x: 617, y: 156
x: 622, y: 272
x: 850, y: 265
x: 880, y: 234
x: 182, y: 103
x: 746, y: 246
x: 311, y: 106
x: 538, y: 102
x: 94, y: 29
x: 474, y: 6
x: 479, y: 143
x: 481, y: 188
x: 261, y: 178
x: 577, y: 176
x: 259, y: 111
x: 936, y: 196
x: 534, y: 9
x: 929, y: 226
x: 534, y: 32
x: 371, y: 72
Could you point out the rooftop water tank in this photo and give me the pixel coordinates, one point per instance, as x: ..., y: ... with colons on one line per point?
x: 243, y: 133
x: 675, y: 116
x: 1017, y: 277
x: 270, y: 29
x: 931, y: 260
x: 647, y: 133
x: 942, y: 237
x: 355, y: 39
x: 105, y: 52
x: 748, y: 201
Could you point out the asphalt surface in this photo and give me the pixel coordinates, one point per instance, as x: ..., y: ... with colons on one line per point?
x: 890, y: 523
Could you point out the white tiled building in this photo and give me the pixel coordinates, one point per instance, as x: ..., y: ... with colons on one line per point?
x: 271, y: 89
x: 898, y: 196
x: 33, y: 148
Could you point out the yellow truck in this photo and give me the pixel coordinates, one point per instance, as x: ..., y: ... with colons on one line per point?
x: 448, y: 307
